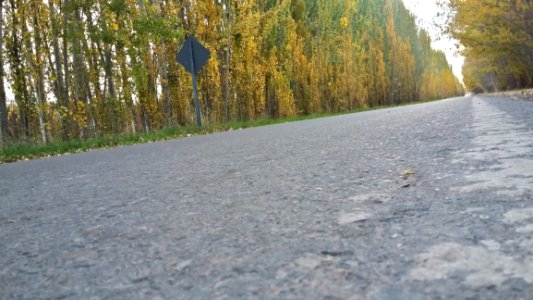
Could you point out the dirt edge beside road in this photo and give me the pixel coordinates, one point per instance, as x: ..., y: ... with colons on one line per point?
x: 525, y: 95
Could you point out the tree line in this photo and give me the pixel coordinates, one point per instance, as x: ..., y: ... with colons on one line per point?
x: 497, y: 36
x: 85, y: 68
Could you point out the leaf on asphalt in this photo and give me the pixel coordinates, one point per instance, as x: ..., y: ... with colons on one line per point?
x: 407, y: 173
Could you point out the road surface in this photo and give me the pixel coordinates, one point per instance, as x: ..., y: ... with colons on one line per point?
x: 424, y: 201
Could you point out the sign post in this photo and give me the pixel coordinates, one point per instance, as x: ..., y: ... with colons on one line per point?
x: 195, y: 89
x: 193, y: 57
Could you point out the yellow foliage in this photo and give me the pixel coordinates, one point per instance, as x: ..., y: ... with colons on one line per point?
x: 498, y: 42
x: 343, y: 22
x: 78, y: 113
x: 268, y: 59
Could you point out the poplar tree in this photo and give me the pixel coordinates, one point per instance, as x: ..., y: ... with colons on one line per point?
x: 3, y: 102
x: 79, y: 69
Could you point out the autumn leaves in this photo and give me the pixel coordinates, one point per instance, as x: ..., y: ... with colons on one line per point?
x: 92, y: 68
x: 498, y: 40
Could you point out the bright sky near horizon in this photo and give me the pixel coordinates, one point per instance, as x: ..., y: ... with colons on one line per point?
x: 426, y: 12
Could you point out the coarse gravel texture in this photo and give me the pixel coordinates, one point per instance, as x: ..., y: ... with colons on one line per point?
x: 430, y: 201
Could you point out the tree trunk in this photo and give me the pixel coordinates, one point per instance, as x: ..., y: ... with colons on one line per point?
x: 80, y: 91
x: 17, y: 67
x: 98, y: 93
x: 60, y: 89
x: 3, y: 102
x: 65, y: 125
x: 227, y: 55
x: 40, y: 90
x: 126, y: 86
x: 92, y: 76
x: 163, y: 73
x: 111, y: 102
x: 162, y: 67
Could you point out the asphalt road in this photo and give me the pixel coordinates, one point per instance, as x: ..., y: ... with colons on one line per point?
x: 431, y: 201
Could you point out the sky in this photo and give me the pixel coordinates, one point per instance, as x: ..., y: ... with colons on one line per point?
x: 426, y: 12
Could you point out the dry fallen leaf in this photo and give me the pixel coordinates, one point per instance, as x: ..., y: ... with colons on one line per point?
x: 407, y: 172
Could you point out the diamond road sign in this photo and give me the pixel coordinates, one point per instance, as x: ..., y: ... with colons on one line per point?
x: 200, y: 55
x: 193, y: 56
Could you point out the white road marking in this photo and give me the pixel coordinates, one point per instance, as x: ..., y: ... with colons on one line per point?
x: 506, y: 145
x: 502, y: 142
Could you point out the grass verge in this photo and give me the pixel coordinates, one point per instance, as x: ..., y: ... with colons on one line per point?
x: 26, y: 150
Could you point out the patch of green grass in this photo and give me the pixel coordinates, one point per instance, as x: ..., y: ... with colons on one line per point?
x: 12, y: 151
